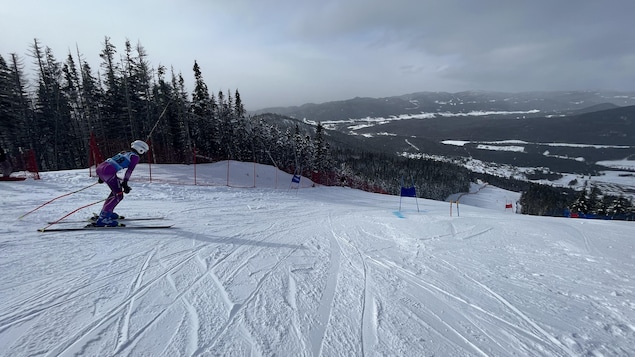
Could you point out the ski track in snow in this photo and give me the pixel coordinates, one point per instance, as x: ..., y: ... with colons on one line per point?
x: 516, y: 311
x: 125, y: 323
x: 328, y: 295
x: 86, y: 333
x: 314, y: 272
x: 417, y: 281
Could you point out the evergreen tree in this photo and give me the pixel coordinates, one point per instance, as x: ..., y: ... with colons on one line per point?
x: 581, y: 204
x: 183, y: 144
x: 115, y: 116
x: 321, y: 160
x: 201, y: 129
x: 136, y: 84
x: 595, y: 202
x: 239, y: 107
x: 260, y: 140
x: 93, y: 97
x: 286, y: 151
x: 162, y: 95
x: 24, y: 136
x: 52, y: 113
x: 71, y: 90
x: 9, y: 115
x: 620, y: 208
x: 225, y: 130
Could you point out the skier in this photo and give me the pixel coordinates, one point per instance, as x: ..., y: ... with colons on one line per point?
x: 5, y: 164
x: 107, y: 172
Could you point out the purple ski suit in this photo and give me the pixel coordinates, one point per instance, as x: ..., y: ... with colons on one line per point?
x: 107, y: 172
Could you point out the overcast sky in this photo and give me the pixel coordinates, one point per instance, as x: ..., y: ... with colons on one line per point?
x: 291, y: 52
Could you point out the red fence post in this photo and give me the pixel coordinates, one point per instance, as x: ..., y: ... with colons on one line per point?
x: 31, y: 164
x: 94, y: 155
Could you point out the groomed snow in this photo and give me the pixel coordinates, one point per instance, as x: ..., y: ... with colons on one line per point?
x: 305, y: 272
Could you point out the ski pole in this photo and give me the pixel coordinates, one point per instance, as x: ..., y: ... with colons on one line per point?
x: 68, y: 214
x: 64, y: 195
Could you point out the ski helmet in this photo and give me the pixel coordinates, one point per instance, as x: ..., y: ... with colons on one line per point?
x: 140, y: 146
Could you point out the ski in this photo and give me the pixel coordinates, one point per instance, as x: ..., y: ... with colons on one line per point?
x: 12, y: 178
x: 91, y: 227
x: 119, y: 219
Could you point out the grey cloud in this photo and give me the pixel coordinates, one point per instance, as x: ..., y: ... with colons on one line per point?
x: 317, y: 50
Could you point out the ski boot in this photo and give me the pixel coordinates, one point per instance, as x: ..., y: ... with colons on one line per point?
x: 106, y: 220
x: 111, y: 215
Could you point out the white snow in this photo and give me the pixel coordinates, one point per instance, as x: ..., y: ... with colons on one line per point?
x: 619, y: 164
x: 412, y: 145
x: 367, y: 122
x: 579, y: 158
x: 316, y: 271
x: 463, y: 142
x: 588, y: 146
x: 491, y: 197
x: 513, y: 148
x: 477, y: 113
x: 455, y: 142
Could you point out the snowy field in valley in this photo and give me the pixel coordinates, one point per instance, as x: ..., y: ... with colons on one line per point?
x: 316, y: 271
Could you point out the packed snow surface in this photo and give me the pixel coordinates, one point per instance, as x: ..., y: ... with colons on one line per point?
x: 315, y: 271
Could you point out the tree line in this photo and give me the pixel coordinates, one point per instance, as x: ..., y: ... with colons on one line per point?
x: 590, y: 202
x: 124, y: 100
x: 545, y: 200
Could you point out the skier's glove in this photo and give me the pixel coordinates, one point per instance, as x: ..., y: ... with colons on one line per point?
x: 126, y: 188
x: 100, y: 180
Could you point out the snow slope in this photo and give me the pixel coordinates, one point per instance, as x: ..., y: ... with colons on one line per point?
x: 487, y: 196
x: 309, y: 272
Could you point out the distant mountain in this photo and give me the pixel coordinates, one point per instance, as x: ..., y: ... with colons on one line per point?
x: 554, y: 132
x: 594, y: 108
x: 545, y: 103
